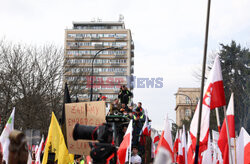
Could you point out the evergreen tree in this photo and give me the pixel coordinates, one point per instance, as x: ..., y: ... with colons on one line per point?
x: 236, y: 74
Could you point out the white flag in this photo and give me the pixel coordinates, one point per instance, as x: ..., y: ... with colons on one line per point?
x: 4, y: 138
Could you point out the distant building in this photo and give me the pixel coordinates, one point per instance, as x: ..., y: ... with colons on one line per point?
x: 186, y: 102
x: 112, y: 67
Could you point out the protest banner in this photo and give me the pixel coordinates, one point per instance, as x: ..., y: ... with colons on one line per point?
x: 84, y: 113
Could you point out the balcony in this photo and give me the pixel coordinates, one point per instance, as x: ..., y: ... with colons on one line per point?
x: 115, y: 63
x: 132, y: 53
x: 132, y: 70
x: 79, y: 38
x: 120, y: 73
x: 95, y: 38
x: 74, y: 46
x: 132, y: 45
x: 120, y: 37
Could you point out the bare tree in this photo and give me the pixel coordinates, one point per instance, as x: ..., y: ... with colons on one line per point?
x: 30, y: 80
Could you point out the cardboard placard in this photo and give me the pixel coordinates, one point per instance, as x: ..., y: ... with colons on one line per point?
x: 85, y: 113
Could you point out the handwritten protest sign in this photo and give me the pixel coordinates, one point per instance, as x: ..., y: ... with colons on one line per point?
x: 85, y: 113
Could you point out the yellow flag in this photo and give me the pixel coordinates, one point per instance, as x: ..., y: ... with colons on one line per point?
x: 56, y: 144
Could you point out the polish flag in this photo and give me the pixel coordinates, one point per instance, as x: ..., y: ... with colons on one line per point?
x: 38, y: 152
x: 182, y: 154
x: 207, y: 155
x: 176, y: 145
x: 222, y: 141
x: 213, y: 97
x: 152, y: 149
x: 243, y: 147
x: 125, y: 146
x: 156, y: 137
x: 180, y: 157
x: 190, y: 153
x: 145, y: 128
x: 184, y: 145
x: 166, y: 138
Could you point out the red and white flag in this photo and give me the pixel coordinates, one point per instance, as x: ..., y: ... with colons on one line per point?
x: 176, y: 145
x: 184, y: 144
x: 222, y: 141
x: 124, y: 151
x: 156, y: 137
x: 39, y: 151
x: 182, y: 153
x: 166, y: 138
x: 243, y: 147
x: 145, y: 128
x: 190, y: 152
x: 207, y: 154
x: 180, y: 157
x: 153, y: 149
x: 213, y: 97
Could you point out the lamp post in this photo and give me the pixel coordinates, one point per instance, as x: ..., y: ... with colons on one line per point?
x: 92, y: 67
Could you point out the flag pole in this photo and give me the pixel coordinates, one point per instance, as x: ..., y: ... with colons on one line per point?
x: 202, y: 83
x: 130, y: 153
x: 235, y: 160
x: 217, y: 118
x: 228, y: 137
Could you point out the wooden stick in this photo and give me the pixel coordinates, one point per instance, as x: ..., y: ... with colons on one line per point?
x: 218, y: 119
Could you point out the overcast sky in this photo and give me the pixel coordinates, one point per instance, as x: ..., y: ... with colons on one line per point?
x: 168, y: 35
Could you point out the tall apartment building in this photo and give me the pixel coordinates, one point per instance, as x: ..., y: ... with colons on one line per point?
x: 186, y: 102
x: 112, y: 67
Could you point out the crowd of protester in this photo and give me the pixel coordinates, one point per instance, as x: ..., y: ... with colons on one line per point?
x: 19, y: 154
x: 123, y: 107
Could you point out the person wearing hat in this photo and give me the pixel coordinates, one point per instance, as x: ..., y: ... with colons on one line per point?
x: 135, y: 159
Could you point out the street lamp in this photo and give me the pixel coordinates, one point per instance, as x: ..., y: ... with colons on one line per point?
x: 92, y: 68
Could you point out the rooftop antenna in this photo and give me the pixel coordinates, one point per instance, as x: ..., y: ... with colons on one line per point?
x: 99, y: 19
x: 121, y: 18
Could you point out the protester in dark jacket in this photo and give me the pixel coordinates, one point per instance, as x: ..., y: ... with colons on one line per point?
x: 99, y: 98
x: 138, y: 121
x: 124, y: 108
x: 124, y: 95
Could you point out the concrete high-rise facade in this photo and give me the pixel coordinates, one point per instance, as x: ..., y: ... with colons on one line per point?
x: 112, y: 67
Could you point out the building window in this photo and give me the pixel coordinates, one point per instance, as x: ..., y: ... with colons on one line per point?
x: 187, y: 100
x: 187, y: 112
x: 197, y: 100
